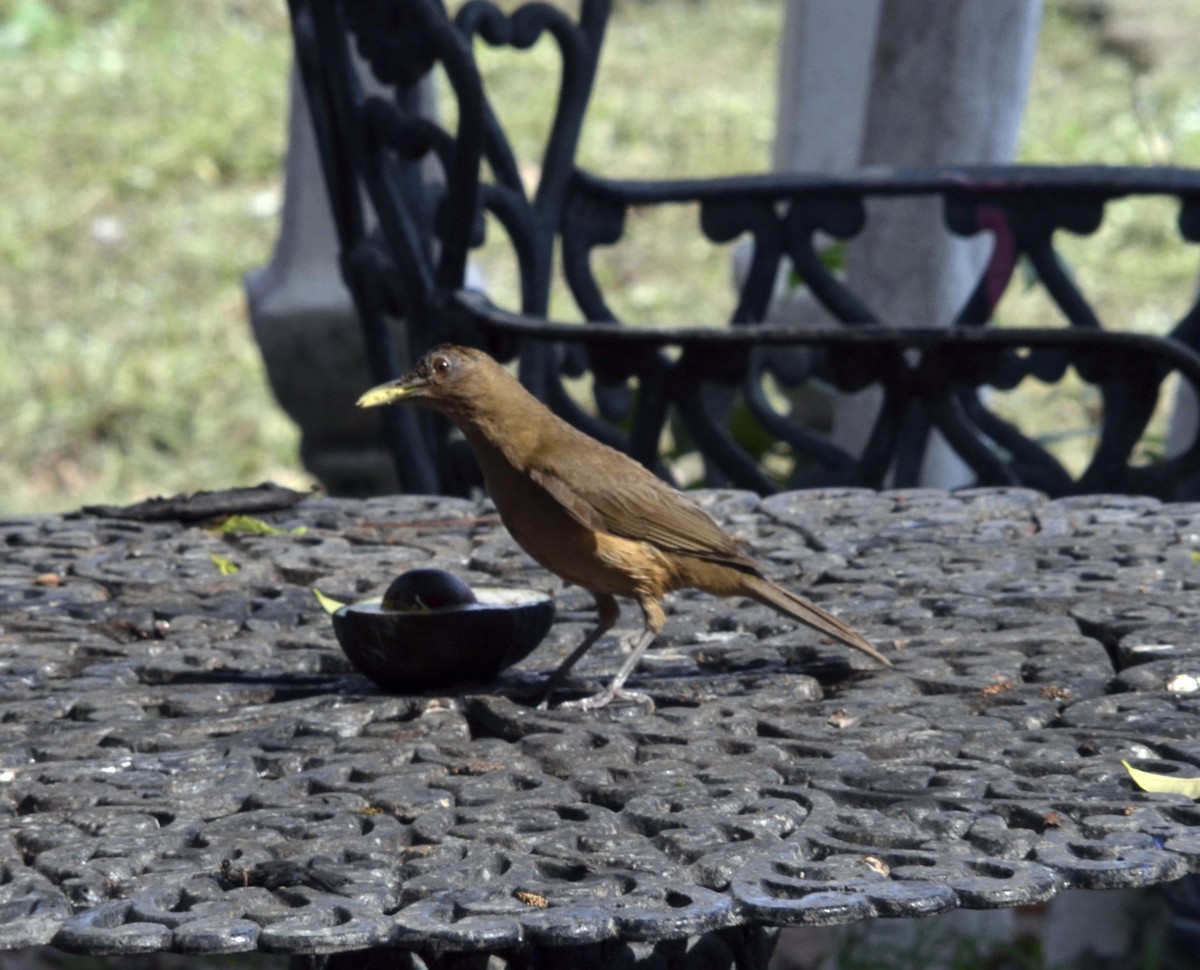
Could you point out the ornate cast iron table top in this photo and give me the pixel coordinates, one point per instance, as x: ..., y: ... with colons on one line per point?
x: 187, y: 761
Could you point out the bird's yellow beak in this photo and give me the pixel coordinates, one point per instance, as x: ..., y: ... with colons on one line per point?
x: 387, y: 394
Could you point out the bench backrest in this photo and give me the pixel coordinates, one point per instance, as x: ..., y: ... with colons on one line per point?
x: 408, y: 195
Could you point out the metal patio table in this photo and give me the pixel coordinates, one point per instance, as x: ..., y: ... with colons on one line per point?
x: 188, y: 763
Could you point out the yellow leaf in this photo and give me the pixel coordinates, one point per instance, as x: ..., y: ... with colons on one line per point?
x: 1173, y: 784
x: 226, y: 567
x: 253, y: 526
x: 327, y: 604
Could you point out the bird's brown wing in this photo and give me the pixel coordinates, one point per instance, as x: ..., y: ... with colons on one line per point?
x: 610, y: 492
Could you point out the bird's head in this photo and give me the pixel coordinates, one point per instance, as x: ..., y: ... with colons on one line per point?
x: 448, y: 379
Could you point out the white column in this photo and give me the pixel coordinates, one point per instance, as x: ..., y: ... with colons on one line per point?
x: 824, y: 81
x: 942, y: 82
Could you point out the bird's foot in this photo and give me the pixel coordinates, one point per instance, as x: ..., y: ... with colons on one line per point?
x: 628, y: 644
x: 607, y: 696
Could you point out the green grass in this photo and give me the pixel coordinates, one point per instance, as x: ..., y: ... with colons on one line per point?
x: 1089, y: 104
x: 142, y: 153
x: 143, y: 158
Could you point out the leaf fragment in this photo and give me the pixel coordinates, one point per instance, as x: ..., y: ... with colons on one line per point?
x: 328, y: 603
x: 226, y: 567
x: 251, y: 525
x: 1172, y: 784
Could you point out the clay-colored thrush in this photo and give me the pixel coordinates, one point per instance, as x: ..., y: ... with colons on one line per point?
x: 586, y: 511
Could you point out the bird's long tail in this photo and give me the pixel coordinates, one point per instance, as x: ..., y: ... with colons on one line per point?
x: 798, y: 608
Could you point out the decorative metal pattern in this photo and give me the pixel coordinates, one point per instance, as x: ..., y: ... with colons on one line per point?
x: 412, y: 265
x: 189, y: 763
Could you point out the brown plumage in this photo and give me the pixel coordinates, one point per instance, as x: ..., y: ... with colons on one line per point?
x: 586, y: 511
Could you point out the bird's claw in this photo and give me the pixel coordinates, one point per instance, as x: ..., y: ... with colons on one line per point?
x: 607, y: 696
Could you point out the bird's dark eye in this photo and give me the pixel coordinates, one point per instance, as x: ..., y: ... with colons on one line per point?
x: 439, y: 365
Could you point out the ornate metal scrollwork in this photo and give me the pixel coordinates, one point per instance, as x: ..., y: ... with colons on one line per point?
x: 406, y: 237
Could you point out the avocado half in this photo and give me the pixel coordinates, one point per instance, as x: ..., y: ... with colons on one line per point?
x: 408, y: 651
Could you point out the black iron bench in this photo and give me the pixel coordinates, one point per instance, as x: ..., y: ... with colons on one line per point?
x: 405, y: 242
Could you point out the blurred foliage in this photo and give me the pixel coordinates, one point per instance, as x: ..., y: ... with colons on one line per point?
x: 142, y: 173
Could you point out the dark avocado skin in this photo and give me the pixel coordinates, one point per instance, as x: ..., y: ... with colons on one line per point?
x: 422, y: 649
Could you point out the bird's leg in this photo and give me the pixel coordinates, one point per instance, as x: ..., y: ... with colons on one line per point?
x: 654, y: 620
x: 616, y: 689
x: 608, y: 610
